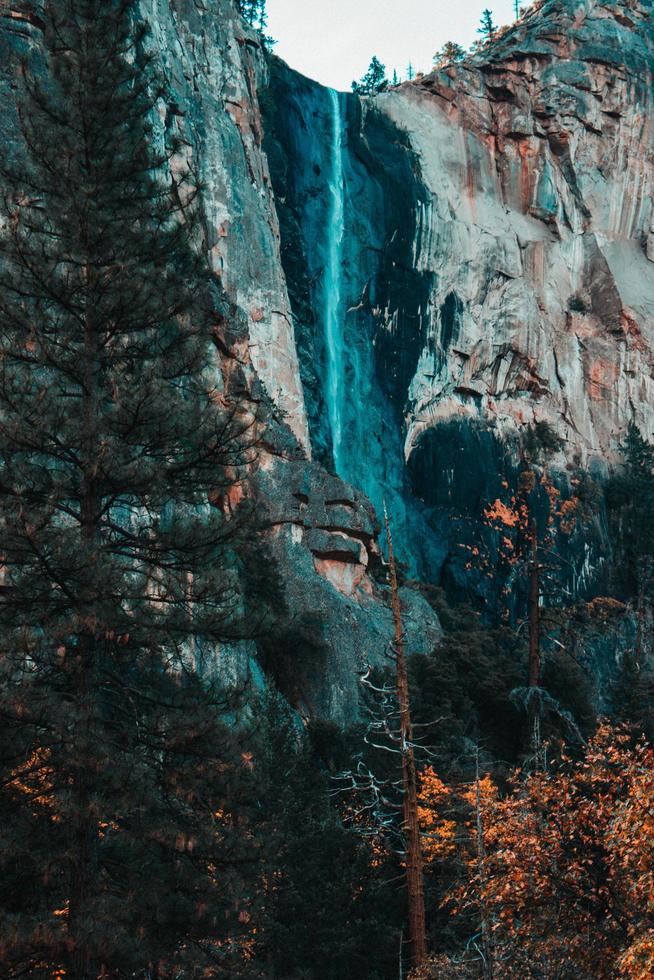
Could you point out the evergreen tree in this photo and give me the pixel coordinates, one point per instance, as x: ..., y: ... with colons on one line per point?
x: 168, y: 789
x: 324, y: 912
x: 118, y: 573
x: 384, y: 790
x: 527, y: 524
x: 451, y: 51
x: 249, y: 10
x: 630, y: 499
x: 466, y: 683
x: 487, y: 27
x: 632, y: 695
x: 255, y: 14
x: 374, y: 80
x: 411, y: 826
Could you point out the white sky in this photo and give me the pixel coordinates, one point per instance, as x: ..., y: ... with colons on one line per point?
x: 333, y: 40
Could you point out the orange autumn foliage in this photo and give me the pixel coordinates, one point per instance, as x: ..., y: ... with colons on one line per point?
x: 514, y: 517
x: 566, y: 878
x: 33, y: 779
x: 438, y: 831
x: 503, y: 514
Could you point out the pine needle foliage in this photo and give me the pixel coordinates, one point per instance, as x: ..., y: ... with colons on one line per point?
x: 119, y: 574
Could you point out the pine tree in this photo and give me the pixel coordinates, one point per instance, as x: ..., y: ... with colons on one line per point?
x: 527, y: 525
x: 255, y: 14
x: 384, y: 789
x: 414, y: 860
x: 374, y: 80
x: 487, y: 27
x: 249, y: 10
x: 630, y: 498
x: 119, y: 575
x: 451, y: 51
x: 324, y: 911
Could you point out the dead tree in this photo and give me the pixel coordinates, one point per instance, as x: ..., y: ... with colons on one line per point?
x: 414, y: 862
x: 386, y: 809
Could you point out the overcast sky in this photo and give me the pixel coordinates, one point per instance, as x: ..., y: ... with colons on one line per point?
x: 333, y: 40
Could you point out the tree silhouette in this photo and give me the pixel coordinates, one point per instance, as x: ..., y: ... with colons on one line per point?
x: 487, y: 27
x: 120, y: 570
x: 451, y: 51
x: 374, y: 80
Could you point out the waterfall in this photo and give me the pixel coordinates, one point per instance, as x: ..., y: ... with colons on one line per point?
x: 334, y: 340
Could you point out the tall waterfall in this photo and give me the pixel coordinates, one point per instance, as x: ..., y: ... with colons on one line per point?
x: 334, y: 340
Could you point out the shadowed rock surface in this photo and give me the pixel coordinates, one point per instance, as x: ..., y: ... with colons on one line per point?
x: 497, y: 267
x: 493, y: 267
x: 322, y: 533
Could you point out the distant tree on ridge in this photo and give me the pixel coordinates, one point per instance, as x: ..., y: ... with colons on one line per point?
x: 451, y: 51
x: 374, y: 80
x: 487, y: 27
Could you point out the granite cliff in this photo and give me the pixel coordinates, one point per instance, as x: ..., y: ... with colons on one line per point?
x: 496, y: 265
x: 409, y: 281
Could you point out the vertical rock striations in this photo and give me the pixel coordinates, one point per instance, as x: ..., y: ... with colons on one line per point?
x: 358, y: 369
x: 498, y: 265
x: 333, y: 616
x: 322, y: 532
x: 408, y: 282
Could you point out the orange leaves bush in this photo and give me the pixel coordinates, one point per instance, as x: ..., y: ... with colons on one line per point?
x: 562, y: 867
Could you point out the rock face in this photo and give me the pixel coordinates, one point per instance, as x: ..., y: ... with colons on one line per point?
x: 538, y: 230
x: 347, y: 182
x: 333, y: 616
x: 408, y: 282
x: 496, y: 268
x: 323, y: 532
x: 338, y: 619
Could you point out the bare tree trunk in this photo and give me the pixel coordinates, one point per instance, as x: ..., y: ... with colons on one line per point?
x: 85, y: 823
x: 486, y: 930
x: 414, y: 862
x: 640, y: 612
x: 535, y: 666
x: 534, y: 612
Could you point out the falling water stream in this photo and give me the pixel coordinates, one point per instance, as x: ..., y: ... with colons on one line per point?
x: 334, y: 340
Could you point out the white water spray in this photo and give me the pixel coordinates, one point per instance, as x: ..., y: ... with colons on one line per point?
x: 334, y: 339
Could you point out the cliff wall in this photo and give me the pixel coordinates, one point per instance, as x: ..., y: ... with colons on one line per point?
x: 496, y: 270
x: 333, y: 616
x: 408, y: 282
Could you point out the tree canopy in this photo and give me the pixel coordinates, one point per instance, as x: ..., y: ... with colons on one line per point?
x: 374, y: 80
